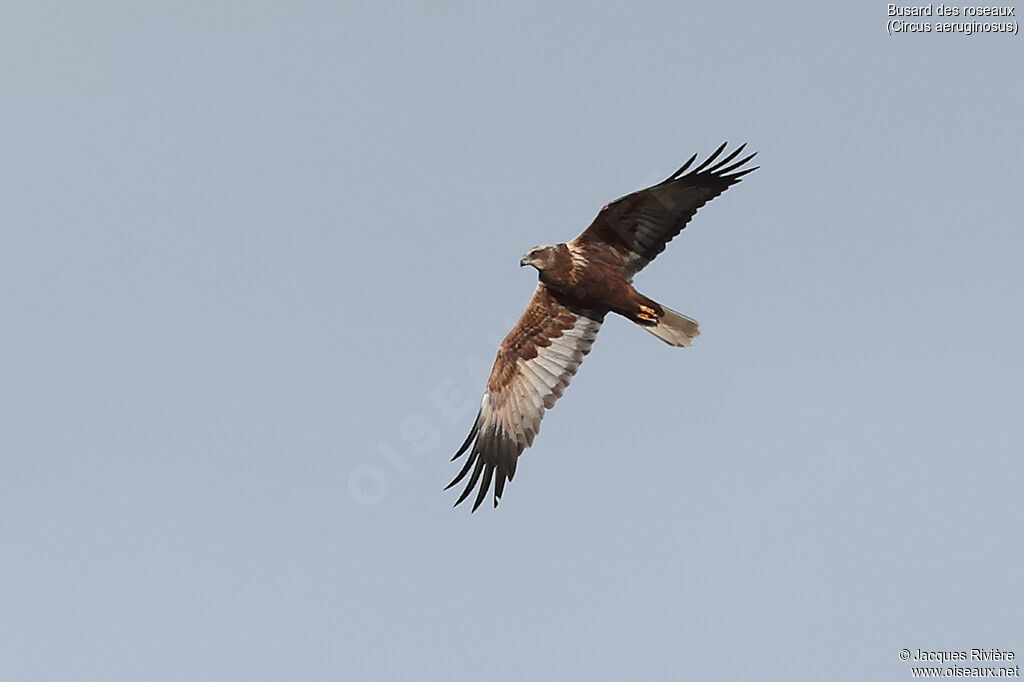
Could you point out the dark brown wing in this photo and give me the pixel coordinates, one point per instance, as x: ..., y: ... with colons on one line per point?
x: 639, y: 225
x: 535, y: 363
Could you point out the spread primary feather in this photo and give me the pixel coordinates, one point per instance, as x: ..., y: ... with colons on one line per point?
x: 580, y: 283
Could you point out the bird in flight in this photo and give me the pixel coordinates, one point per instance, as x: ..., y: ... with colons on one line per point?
x: 581, y: 281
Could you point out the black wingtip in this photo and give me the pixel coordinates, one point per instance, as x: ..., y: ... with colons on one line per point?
x: 717, y: 168
x: 682, y: 169
x: 490, y: 465
x: 469, y: 439
x: 485, y: 487
x: 475, y: 476
x: 729, y: 173
x: 499, y: 486
x: 708, y: 161
x: 723, y: 167
x: 462, y: 474
x: 737, y: 176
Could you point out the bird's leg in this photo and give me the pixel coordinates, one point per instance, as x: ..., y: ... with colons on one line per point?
x: 647, y: 314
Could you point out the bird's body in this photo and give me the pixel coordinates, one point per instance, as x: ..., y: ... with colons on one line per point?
x: 584, y: 274
x: 581, y: 281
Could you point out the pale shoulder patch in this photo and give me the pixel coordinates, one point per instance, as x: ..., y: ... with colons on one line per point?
x: 578, y: 259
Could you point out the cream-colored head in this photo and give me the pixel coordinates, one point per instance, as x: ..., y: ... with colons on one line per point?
x: 541, y: 257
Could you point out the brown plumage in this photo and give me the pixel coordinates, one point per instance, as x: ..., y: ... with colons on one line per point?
x: 581, y: 282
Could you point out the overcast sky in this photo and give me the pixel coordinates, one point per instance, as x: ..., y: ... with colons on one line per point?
x: 256, y: 260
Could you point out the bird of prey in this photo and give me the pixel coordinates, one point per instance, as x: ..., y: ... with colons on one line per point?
x: 581, y: 281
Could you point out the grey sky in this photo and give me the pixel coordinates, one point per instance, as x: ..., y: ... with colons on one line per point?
x: 255, y: 258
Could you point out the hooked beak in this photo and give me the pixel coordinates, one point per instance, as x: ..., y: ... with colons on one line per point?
x: 524, y: 261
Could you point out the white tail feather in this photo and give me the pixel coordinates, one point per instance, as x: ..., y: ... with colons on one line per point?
x: 675, y: 329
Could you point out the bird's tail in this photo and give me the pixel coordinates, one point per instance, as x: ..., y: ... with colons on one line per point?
x: 674, y: 328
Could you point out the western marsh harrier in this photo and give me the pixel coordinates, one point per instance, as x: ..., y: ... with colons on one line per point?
x: 580, y: 282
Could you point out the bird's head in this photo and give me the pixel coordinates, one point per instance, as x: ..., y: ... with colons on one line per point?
x: 541, y: 257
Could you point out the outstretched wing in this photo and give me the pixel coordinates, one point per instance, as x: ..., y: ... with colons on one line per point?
x: 535, y: 363
x: 639, y: 225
